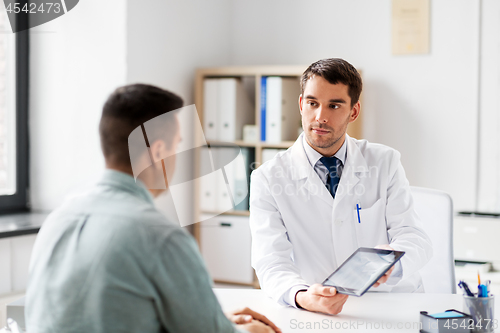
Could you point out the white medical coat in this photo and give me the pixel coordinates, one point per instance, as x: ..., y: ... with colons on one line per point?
x: 301, y: 234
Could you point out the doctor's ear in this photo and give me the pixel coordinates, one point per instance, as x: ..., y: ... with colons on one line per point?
x: 355, y: 112
x: 300, y: 103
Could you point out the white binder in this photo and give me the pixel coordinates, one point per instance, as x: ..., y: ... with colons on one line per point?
x: 208, y: 184
x: 238, y: 181
x: 210, y: 96
x: 242, y: 179
x: 235, y: 109
x: 226, y: 186
x: 282, y: 109
x: 224, y: 198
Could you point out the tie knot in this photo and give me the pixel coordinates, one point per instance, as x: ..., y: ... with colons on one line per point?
x: 330, y: 162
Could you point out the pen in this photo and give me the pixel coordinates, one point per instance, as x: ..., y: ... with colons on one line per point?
x: 358, y: 207
x: 465, y: 287
x: 482, y: 290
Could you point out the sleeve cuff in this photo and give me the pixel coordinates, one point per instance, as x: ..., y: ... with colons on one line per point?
x: 289, y: 297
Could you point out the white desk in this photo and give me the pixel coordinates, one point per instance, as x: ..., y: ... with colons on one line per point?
x: 397, y: 312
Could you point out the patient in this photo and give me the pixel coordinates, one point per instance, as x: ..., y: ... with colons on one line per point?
x: 108, y: 261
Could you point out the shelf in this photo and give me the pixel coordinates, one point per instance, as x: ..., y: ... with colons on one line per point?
x: 292, y: 70
x: 253, y: 285
x: 278, y: 145
x: 250, y: 77
x: 231, y: 212
x: 231, y: 144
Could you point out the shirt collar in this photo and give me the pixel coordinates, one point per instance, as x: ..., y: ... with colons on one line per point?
x: 126, y: 182
x: 313, y: 156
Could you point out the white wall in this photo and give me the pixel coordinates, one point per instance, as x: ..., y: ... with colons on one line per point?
x: 79, y: 58
x: 489, y: 157
x: 423, y: 105
x: 76, y: 61
x: 166, y: 42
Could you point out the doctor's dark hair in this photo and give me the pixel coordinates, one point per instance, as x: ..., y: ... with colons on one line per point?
x: 129, y: 107
x: 335, y: 70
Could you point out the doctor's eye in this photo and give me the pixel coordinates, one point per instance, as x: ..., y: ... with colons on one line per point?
x: 312, y: 103
x: 334, y: 106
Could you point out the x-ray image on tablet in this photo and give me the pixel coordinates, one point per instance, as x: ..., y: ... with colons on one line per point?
x: 361, y: 270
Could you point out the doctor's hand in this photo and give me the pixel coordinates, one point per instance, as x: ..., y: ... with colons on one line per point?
x: 385, y: 277
x: 319, y: 298
x: 248, y: 316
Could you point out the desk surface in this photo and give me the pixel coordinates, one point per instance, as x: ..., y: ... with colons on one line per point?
x: 20, y: 224
x: 373, y: 312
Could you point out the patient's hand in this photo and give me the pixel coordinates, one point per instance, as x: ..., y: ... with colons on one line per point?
x: 256, y: 326
x: 319, y: 298
x: 251, y: 318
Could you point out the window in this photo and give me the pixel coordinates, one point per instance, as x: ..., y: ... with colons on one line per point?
x: 13, y: 117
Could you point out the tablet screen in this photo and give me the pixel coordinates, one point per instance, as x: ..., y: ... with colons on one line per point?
x: 361, y: 270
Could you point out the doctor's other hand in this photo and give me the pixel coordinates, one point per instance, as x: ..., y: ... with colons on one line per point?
x: 319, y: 298
x: 246, y: 315
x: 385, y: 277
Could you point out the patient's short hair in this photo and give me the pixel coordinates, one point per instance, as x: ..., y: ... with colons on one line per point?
x: 335, y: 70
x: 126, y: 109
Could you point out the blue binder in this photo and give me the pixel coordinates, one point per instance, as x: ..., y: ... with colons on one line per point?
x: 263, y: 109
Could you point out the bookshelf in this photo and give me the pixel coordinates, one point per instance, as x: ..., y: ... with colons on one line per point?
x: 254, y: 75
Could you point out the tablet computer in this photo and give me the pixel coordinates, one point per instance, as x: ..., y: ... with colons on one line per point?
x: 361, y: 270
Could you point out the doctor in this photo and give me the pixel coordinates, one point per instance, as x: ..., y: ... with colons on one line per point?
x: 303, y: 214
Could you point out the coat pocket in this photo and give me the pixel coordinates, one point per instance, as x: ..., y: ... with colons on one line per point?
x: 371, y: 228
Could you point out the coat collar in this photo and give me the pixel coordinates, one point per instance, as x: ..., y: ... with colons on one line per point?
x: 301, y: 168
x: 355, y: 166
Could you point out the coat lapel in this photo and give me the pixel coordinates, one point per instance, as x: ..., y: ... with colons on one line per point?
x: 343, y: 233
x: 302, y: 170
x: 355, y: 166
x: 343, y: 230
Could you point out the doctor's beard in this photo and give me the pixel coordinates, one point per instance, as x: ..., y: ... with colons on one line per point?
x: 330, y: 141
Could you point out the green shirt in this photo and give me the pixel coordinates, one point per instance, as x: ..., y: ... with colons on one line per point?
x: 108, y: 261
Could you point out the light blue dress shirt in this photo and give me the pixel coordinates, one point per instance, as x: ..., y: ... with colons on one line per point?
x: 314, y: 159
x: 108, y: 261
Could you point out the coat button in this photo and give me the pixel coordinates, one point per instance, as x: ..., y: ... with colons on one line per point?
x: 338, y: 222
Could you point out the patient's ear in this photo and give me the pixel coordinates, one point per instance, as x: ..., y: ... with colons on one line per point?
x: 158, y: 150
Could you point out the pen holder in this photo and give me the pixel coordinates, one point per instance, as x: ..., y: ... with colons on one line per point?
x: 482, y: 311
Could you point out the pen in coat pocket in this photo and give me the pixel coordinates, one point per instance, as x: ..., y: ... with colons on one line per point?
x: 358, y: 207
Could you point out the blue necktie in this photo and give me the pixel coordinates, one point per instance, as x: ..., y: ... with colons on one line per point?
x: 332, y: 181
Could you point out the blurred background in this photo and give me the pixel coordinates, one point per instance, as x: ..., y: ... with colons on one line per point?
x: 439, y: 108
